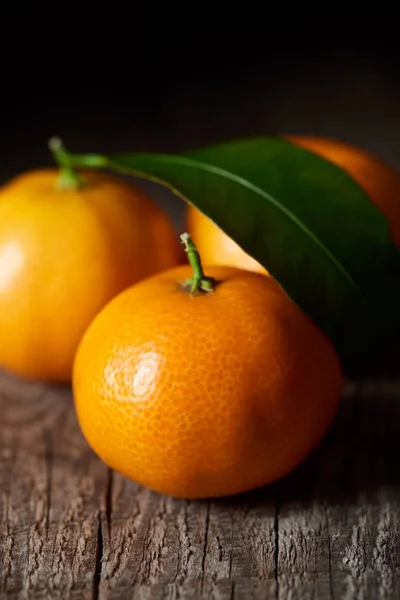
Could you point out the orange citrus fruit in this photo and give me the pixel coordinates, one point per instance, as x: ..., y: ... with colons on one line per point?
x: 64, y: 253
x: 378, y: 180
x: 215, y: 246
x: 208, y: 393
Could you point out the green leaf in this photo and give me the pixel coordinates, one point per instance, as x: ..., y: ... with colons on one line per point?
x: 307, y: 221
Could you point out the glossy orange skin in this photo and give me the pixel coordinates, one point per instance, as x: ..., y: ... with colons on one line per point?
x: 379, y: 181
x: 207, y: 395
x: 63, y: 256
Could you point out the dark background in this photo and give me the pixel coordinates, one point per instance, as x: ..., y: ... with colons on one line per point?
x: 165, y: 78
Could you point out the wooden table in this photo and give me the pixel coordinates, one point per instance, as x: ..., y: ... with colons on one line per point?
x: 71, y: 528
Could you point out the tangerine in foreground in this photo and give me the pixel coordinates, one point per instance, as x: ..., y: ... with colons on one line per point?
x: 68, y: 245
x: 204, y: 386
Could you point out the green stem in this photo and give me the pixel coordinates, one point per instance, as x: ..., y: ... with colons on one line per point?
x: 68, y: 179
x: 199, y: 282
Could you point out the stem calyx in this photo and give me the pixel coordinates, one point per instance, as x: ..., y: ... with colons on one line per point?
x: 68, y: 179
x: 199, y: 282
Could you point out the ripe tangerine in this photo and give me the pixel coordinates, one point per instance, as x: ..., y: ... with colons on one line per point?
x: 201, y: 386
x: 64, y: 253
x: 378, y: 180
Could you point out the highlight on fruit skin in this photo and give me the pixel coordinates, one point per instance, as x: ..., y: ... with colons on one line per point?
x: 380, y: 181
x: 197, y: 394
x: 69, y: 242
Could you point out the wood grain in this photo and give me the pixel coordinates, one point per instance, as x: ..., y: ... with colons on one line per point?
x: 52, y: 493
x: 71, y: 528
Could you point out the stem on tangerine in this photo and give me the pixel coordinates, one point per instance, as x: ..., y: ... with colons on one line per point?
x: 69, y: 178
x: 199, y: 282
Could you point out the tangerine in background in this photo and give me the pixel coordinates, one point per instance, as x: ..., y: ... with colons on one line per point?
x: 203, y: 385
x: 66, y: 249
x: 378, y: 180
x: 215, y: 246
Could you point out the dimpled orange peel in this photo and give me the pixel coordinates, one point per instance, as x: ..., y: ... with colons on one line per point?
x: 204, y: 385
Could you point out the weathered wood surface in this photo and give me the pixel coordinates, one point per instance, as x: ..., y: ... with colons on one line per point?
x: 70, y: 528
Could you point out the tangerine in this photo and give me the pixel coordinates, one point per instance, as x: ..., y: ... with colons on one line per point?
x: 378, y: 180
x: 215, y: 246
x: 65, y: 250
x: 201, y: 386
